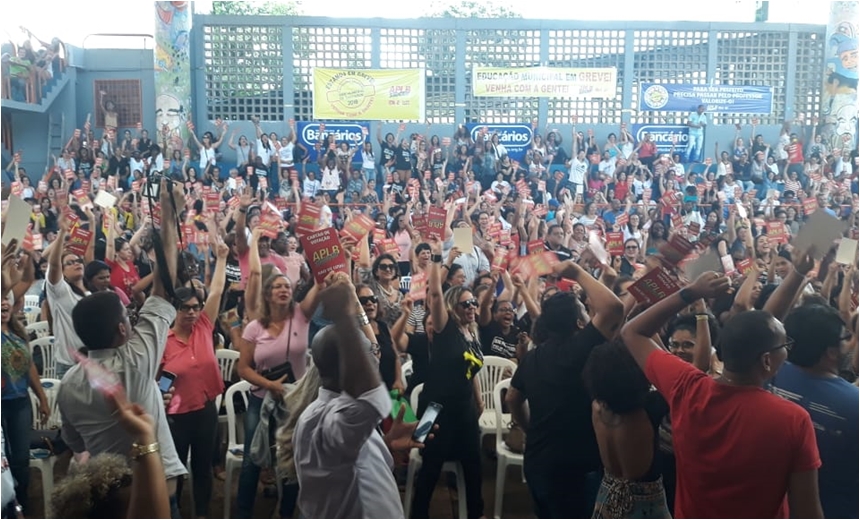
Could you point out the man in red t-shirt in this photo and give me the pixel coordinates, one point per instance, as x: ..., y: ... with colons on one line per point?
x: 740, y: 451
x: 795, y: 157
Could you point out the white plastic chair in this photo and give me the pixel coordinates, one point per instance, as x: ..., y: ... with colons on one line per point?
x: 31, y: 300
x: 46, y: 346
x: 226, y: 362
x: 415, y: 462
x: 46, y: 465
x: 405, y: 283
x: 235, y: 450
x: 32, y: 314
x: 504, y: 456
x: 495, y: 369
x: 405, y: 372
x: 41, y: 328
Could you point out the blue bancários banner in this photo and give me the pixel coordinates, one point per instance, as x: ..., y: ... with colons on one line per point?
x: 309, y: 134
x: 516, y: 137
x: 662, y: 136
x: 726, y: 99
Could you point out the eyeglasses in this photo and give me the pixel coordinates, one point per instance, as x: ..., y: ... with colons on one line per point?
x: 189, y: 308
x: 505, y: 309
x: 364, y: 300
x: 386, y: 267
x: 469, y: 303
x: 788, y: 345
x: 69, y: 263
x: 631, y: 247
x: 682, y: 345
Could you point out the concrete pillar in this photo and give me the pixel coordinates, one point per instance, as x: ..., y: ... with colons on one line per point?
x: 838, y: 121
x: 172, y: 74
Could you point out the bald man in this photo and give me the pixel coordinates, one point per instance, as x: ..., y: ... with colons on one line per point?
x: 343, y: 462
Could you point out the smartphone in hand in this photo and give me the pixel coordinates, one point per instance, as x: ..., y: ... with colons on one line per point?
x: 166, y: 381
x: 425, y: 425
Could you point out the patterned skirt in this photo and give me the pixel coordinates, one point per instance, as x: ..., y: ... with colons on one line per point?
x: 621, y: 498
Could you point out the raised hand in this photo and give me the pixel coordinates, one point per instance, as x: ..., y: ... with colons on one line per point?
x: 710, y: 285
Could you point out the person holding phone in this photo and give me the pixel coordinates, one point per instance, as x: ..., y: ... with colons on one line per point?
x: 189, y: 358
x: 455, y: 360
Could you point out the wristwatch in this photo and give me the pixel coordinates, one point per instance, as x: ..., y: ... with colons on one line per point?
x: 139, y: 450
x: 686, y: 296
x: 436, y: 259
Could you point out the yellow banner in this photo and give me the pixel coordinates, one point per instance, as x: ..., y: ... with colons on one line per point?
x: 369, y: 94
x: 594, y: 83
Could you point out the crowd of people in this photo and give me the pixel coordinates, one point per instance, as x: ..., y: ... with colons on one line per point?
x: 700, y: 402
x: 30, y: 67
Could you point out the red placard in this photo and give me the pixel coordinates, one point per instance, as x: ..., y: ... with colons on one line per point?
x: 540, y: 211
x: 670, y: 198
x: 490, y: 196
x: 69, y: 175
x: 535, y: 247
x: 188, y: 231
x: 78, y: 241
x: 418, y: 287
x: 505, y: 237
x: 523, y: 188
x: 388, y: 245
x: 615, y: 243
x: 694, y: 228
x: 744, y: 266
x: 213, y: 201
x: 776, y: 232
x: 656, y: 285
x: 436, y: 221
x: 378, y: 235
x: 810, y: 205
x: 270, y: 224
x: 622, y: 219
x: 539, y: 264
x: 566, y: 285
x: 16, y: 188
x: 324, y: 252
x: 358, y: 227
x: 500, y: 258
x: 308, y: 219
x: 32, y: 241
x: 419, y: 223
x: 81, y: 197
x: 86, y: 186
x: 676, y: 249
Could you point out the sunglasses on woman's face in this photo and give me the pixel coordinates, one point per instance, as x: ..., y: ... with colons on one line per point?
x: 386, y: 267
x: 364, y: 300
x: 469, y: 303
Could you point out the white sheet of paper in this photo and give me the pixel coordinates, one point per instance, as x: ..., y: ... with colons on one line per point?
x: 596, y: 246
x: 847, y: 251
x: 463, y: 240
x: 17, y: 220
x: 820, y: 230
x: 742, y: 211
x: 105, y: 200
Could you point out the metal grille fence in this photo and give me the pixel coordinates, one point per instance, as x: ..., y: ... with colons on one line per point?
x: 263, y: 65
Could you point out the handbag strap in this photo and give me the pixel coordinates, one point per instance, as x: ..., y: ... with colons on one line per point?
x: 290, y: 335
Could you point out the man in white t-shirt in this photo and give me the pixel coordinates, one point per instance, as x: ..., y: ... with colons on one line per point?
x: 697, y: 121
x: 578, y: 168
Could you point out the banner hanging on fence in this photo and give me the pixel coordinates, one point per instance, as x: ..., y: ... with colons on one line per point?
x: 580, y: 83
x: 663, y: 136
x: 516, y: 138
x: 309, y: 133
x: 727, y: 99
x: 375, y: 94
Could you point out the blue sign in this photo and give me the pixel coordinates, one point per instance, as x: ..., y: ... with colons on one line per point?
x: 309, y: 134
x: 663, y: 136
x: 724, y: 99
x: 516, y: 138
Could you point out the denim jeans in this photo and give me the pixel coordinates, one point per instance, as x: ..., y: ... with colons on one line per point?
x: 17, y: 423
x: 694, y: 148
x: 250, y: 474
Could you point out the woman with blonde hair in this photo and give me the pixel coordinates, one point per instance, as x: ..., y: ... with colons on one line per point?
x: 272, y: 351
x: 455, y: 360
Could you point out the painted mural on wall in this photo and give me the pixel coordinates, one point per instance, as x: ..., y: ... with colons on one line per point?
x: 839, y: 95
x: 172, y: 73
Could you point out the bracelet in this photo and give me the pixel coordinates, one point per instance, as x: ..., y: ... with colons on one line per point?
x: 362, y: 320
x: 446, y: 266
x: 702, y: 317
x: 436, y: 259
x: 243, y: 210
x: 139, y: 450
